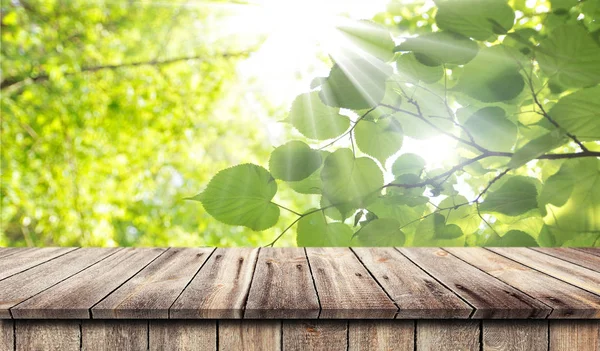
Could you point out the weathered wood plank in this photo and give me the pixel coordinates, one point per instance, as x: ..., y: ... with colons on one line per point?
x: 381, y: 335
x: 581, y: 258
x: 569, y: 272
x: 73, y: 298
x: 248, y: 335
x: 490, y: 297
x: 300, y: 335
x: 221, y: 287
x: 7, y: 340
x: 448, y: 335
x: 110, y: 335
x: 575, y: 335
x: 515, y: 335
x: 345, y: 288
x: 28, y: 258
x: 282, y: 286
x: 591, y: 250
x: 415, y: 292
x: 21, y: 286
x: 7, y: 251
x: 183, y: 335
x: 150, y: 293
x: 566, y: 300
x: 47, y: 335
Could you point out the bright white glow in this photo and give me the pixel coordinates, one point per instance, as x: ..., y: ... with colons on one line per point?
x: 436, y: 151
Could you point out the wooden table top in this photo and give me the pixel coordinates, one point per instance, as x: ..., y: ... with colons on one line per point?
x: 294, y: 283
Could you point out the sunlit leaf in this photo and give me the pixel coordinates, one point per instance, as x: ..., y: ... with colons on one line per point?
x: 579, y: 113
x: 516, y: 196
x: 434, y: 49
x: 412, y: 70
x: 381, y: 232
x: 367, y: 37
x: 558, y: 188
x: 314, y: 231
x: 478, y: 19
x: 294, y: 161
x: 514, y: 238
x: 537, y: 147
x: 433, y: 231
x: 408, y: 164
x: 491, y: 129
x: 311, y: 184
x: 315, y: 120
x: 380, y: 140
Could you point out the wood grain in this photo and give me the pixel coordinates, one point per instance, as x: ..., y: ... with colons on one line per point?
x: 490, y: 297
x: 569, y: 272
x: 575, y: 335
x: 47, y: 335
x: 515, y: 335
x: 447, y: 335
x: 21, y: 286
x: 282, y: 286
x: 303, y: 335
x: 107, y: 335
x: 581, y: 258
x: 6, y: 334
x: 183, y: 335
x: 566, y: 300
x: 381, y: 335
x: 249, y: 335
x: 591, y: 250
x: 7, y: 251
x: 150, y: 293
x: 345, y: 288
x: 221, y: 287
x: 415, y: 292
x: 73, y: 298
x: 27, y: 258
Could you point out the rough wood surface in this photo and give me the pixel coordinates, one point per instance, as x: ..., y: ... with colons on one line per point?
x: 114, y: 335
x: 574, y: 335
x: 569, y: 272
x: 19, y: 287
x: 6, y: 334
x: 74, y: 297
x: 581, y: 258
x: 27, y: 258
x: 415, y: 292
x: 515, y: 335
x: 47, y: 335
x: 183, y: 335
x: 282, y: 286
x: 150, y: 293
x: 221, y: 287
x: 7, y: 251
x: 314, y: 335
x: 490, y: 297
x: 345, y: 288
x: 448, y: 335
x: 566, y: 300
x: 591, y: 250
x: 381, y: 335
x: 249, y: 335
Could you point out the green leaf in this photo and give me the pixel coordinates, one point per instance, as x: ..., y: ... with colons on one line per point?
x: 514, y: 238
x: 355, y: 84
x: 537, y: 147
x: 314, y: 231
x: 412, y: 70
x: 464, y: 216
x: 491, y: 129
x: 432, y: 231
x: 516, y: 196
x: 492, y: 76
x: 350, y: 182
x: 294, y: 161
x: 312, y: 184
x: 367, y: 37
x: 562, y: 4
x: 579, y: 113
x: 379, y: 139
x: 241, y: 195
x: 408, y: 164
x: 315, y: 120
x: 570, y: 55
x: 434, y: 49
x: 558, y: 188
x: 478, y: 19
x: 381, y: 232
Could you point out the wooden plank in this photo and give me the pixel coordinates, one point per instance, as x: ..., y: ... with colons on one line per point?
x: 28, y: 258
x: 575, y: 335
x: 515, y: 335
x: 73, y: 298
x: 221, y: 287
x: 581, y: 258
x: 282, y: 286
x: 47, y: 335
x: 300, y: 335
x: 7, y: 251
x: 21, y: 286
x: 345, y: 288
x: 381, y: 335
x: 7, y: 340
x: 250, y: 335
x: 491, y: 298
x: 183, y: 335
x: 150, y: 293
x: 415, y: 292
x: 566, y: 300
x: 591, y: 250
x: 110, y: 335
x: 569, y: 272
x: 447, y: 335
